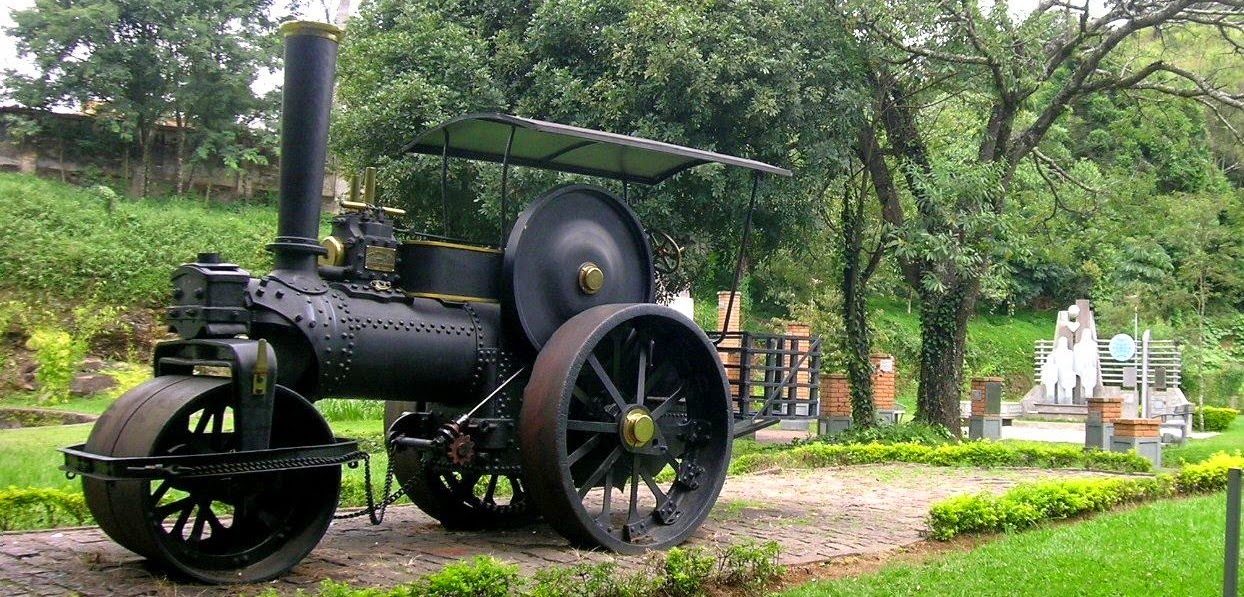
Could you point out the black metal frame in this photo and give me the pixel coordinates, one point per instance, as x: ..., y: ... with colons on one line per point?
x: 772, y: 363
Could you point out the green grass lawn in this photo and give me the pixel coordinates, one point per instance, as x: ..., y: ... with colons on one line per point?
x: 1172, y: 547
x: 1197, y: 450
x: 30, y: 458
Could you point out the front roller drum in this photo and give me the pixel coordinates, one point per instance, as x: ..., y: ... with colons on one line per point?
x: 625, y: 428
x: 240, y: 528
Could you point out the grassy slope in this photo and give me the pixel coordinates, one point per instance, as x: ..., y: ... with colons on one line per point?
x: 1164, y: 548
x: 72, y: 248
x: 1197, y: 450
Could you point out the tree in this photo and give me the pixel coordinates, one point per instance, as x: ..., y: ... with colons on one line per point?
x: 1005, y: 82
x: 141, y: 63
x: 739, y: 78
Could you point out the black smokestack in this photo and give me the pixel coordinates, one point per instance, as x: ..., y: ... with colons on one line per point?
x: 310, y: 64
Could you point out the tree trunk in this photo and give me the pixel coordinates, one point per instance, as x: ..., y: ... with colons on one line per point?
x: 857, y: 341
x: 943, y: 331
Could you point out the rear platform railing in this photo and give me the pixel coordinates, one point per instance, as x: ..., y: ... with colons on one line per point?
x: 773, y: 377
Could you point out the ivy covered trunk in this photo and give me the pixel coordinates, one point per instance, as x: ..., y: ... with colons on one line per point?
x: 857, y: 341
x: 943, y: 328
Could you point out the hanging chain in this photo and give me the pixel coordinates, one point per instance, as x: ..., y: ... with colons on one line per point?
x: 374, y: 511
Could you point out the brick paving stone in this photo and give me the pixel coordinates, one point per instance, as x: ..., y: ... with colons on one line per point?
x: 814, y: 515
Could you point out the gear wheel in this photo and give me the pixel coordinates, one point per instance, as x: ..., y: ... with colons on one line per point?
x: 461, y: 450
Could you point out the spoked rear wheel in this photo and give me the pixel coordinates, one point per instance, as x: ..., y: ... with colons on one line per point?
x: 625, y: 428
x: 223, y: 529
x: 461, y: 500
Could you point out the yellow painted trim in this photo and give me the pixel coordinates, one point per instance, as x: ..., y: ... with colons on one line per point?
x: 437, y: 243
x: 324, y: 30
x: 456, y: 298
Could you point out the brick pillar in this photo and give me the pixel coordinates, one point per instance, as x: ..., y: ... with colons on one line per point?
x: 803, y: 375
x: 1141, y: 435
x: 729, y: 358
x: 1099, y: 425
x: 835, y: 403
x: 884, y: 392
x: 985, y: 421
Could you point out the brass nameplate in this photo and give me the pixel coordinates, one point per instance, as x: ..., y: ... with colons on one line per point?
x: 381, y: 259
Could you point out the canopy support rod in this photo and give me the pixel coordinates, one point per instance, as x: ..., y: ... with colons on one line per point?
x: 738, y: 263
x: 444, y: 183
x: 505, y: 180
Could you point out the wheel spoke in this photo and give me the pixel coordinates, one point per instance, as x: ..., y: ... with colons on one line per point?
x: 600, y: 471
x: 492, y: 489
x: 606, y: 509
x: 162, y: 512
x: 630, y: 511
x: 582, y: 450
x: 179, y: 527
x: 161, y: 489
x: 196, y: 531
x: 651, y: 482
x: 599, y: 369
x: 593, y: 426
x: 217, y: 526
x: 641, y: 384
x: 664, y: 407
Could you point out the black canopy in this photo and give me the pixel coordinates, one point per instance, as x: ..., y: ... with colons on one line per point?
x: 551, y: 146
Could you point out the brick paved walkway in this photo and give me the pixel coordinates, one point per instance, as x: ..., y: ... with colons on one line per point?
x: 815, y: 515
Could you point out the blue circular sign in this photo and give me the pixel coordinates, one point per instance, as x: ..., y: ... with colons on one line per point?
x: 1122, y: 347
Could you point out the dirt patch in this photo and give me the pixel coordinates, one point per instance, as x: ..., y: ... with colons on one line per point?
x: 14, y: 418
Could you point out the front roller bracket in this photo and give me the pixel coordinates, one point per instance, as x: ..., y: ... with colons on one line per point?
x: 252, y: 366
x: 80, y: 462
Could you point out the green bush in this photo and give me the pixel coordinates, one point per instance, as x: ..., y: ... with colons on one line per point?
x: 1208, y: 475
x: 976, y: 453
x: 1028, y: 504
x: 1215, y: 418
x: 687, y: 571
x: 58, y: 355
x: 483, y: 576
x: 915, y: 432
x: 41, y: 507
x: 750, y: 565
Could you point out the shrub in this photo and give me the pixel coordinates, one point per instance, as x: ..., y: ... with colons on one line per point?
x: 58, y: 355
x: 41, y: 507
x: 976, y: 453
x: 687, y: 571
x: 483, y: 576
x: 1215, y: 418
x: 1028, y: 504
x: 915, y: 432
x: 1208, y: 475
x: 750, y: 565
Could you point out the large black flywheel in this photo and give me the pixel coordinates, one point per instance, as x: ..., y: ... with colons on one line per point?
x: 460, y: 499
x: 574, y: 248
x: 221, y: 529
x: 625, y: 428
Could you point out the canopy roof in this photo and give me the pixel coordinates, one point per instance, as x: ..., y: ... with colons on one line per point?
x: 551, y: 146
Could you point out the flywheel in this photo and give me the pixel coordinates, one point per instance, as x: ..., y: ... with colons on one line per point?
x: 574, y: 248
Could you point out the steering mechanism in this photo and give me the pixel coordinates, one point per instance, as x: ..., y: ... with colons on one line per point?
x: 666, y: 254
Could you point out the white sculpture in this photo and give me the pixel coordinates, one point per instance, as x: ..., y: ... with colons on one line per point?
x: 1049, y: 376
x: 1064, y: 365
x: 1084, y: 359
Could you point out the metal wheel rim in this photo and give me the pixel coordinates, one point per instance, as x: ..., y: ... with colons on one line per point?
x: 243, y: 528
x: 575, y: 457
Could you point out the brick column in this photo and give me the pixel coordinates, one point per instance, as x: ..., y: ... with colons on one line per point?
x: 803, y: 375
x: 1141, y: 435
x: 985, y: 421
x: 1099, y: 425
x: 835, y: 403
x: 729, y: 359
x: 884, y: 391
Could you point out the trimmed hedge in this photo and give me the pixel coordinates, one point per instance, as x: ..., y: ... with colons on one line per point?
x: 40, y: 507
x: 1028, y: 504
x: 1216, y: 418
x: 1031, y: 503
x: 1208, y: 475
x: 976, y: 453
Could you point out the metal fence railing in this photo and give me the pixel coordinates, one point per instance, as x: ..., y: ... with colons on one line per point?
x: 772, y: 376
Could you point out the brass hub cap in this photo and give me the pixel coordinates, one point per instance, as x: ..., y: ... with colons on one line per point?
x: 591, y: 278
x: 638, y: 428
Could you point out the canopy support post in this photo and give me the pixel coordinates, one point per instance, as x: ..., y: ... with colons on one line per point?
x: 738, y: 263
x: 505, y: 179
